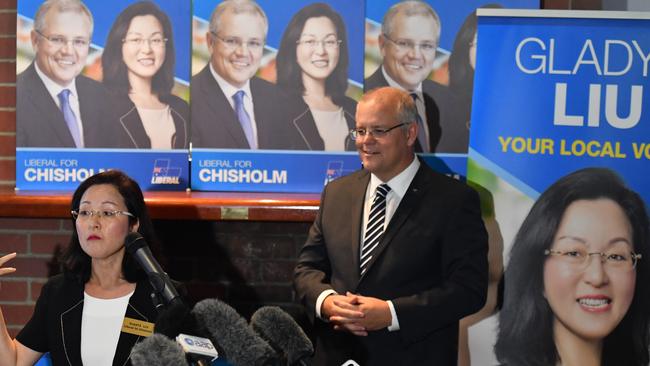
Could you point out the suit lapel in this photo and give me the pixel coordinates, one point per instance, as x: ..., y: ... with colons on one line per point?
x: 224, y: 113
x: 133, y: 126
x: 127, y: 340
x: 71, y: 332
x: 305, y: 125
x: 358, y: 191
x: 411, y: 200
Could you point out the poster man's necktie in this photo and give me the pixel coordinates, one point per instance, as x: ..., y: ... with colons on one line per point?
x: 375, y: 226
x: 422, y: 132
x: 69, y: 117
x: 244, y: 118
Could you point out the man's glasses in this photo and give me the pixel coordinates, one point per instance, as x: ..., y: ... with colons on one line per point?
x: 61, y: 41
x: 108, y: 214
x: 376, y: 132
x: 405, y: 45
x: 233, y: 43
x: 154, y: 42
x: 621, y: 260
x: 312, y: 43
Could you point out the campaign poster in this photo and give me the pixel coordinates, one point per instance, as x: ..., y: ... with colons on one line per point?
x: 556, y: 92
x: 273, y: 96
x: 102, y: 85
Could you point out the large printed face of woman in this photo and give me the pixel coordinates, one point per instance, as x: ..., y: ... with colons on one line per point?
x: 102, y: 236
x: 143, y: 50
x: 317, y: 51
x: 588, y: 291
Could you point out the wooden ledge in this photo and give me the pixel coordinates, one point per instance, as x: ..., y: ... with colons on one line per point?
x: 296, y: 207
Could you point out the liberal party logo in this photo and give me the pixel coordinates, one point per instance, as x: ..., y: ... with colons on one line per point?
x: 335, y: 170
x: 163, y: 173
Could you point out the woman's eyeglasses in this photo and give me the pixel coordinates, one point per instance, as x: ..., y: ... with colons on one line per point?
x: 108, y: 214
x: 579, y: 259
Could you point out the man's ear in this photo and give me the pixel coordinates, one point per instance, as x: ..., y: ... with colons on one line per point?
x: 381, y: 40
x: 209, y: 40
x: 135, y: 227
x: 34, y: 38
x: 412, y: 133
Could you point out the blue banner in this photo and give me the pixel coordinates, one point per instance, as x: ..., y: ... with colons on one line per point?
x: 551, y: 101
x: 64, y: 169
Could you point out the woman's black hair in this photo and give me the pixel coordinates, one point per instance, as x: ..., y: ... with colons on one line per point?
x: 289, y: 73
x: 115, y: 75
x: 526, y: 319
x: 76, y: 263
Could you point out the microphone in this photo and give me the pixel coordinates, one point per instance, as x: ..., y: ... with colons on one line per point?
x: 282, y: 332
x: 138, y: 248
x: 238, y: 343
x: 157, y: 350
x: 199, y: 351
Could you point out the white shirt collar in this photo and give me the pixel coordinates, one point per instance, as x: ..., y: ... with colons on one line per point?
x: 52, y: 87
x: 228, y: 89
x: 399, y: 183
x: 395, y: 84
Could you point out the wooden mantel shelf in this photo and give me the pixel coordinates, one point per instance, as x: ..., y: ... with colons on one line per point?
x: 299, y: 207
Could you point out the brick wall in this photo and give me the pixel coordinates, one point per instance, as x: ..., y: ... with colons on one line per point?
x: 7, y: 92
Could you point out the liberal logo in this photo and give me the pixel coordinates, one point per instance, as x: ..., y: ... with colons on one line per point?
x: 163, y: 173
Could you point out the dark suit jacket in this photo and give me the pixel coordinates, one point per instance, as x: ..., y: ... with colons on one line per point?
x: 40, y: 123
x: 215, y: 123
x: 431, y: 263
x: 446, y: 133
x: 302, y: 120
x: 134, y: 134
x: 55, y: 326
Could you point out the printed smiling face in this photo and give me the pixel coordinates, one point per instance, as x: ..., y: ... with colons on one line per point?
x: 237, y: 47
x: 409, y: 51
x: 317, y: 52
x: 102, y: 238
x: 143, y: 50
x: 62, y: 62
x: 590, y: 298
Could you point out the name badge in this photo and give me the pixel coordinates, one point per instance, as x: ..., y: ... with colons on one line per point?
x: 138, y: 327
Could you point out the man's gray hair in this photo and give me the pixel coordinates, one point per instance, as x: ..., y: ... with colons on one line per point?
x: 61, y: 6
x: 405, y: 109
x: 409, y: 8
x: 237, y: 7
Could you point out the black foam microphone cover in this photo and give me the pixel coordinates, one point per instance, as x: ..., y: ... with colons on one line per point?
x: 157, y: 350
x: 282, y: 332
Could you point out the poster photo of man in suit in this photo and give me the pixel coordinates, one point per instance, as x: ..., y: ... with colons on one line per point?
x: 56, y: 106
x: 397, y: 254
x: 231, y: 108
x: 409, y: 38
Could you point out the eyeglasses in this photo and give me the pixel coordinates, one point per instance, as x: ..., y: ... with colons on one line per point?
x: 405, y: 45
x: 579, y: 259
x: 234, y: 43
x: 155, y: 42
x: 87, y: 214
x: 61, y: 41
x: 330, y: 43
x: 376, y: 132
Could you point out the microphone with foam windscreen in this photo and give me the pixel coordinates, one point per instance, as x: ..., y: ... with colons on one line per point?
x: 138, y: 248
x: 157, y: 350
x: 282, y: 332
x: 238, y: 344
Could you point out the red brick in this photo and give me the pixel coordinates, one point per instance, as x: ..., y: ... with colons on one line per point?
x: 46, y: 243
x: 31, y: 267
x: 13, y: 291
x: 7, y: 23
x: 17, y: 314
x: 277, y: 271
x: 8, y: 48
x: 7, y: 121
x: 36, y: 289
x: 8, y: 4
x: 10, y: 243
x: 7, y: 96
x: 7, y: 145
x: 7, y: 71
x: 29, y: 224
x: 7, y: 169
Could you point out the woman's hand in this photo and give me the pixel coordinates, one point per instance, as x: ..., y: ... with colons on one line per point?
x: 4, y: 259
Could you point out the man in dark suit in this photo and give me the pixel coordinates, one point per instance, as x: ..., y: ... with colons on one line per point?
x: 231, y: 108
x: 397, y: 253
x: 408, y: 43
x: 57, y: 107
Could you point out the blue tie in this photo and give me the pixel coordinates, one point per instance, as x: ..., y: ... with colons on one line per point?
x: 68, y: 115
x: 422, y: 133
x: 244, y: 118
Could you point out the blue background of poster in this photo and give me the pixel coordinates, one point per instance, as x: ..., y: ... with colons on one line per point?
x: 524, y: 105
x: 105, y: 12
x: 279, y: 16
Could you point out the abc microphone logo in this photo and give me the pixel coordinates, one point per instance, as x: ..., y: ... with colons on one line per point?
x: 197, y: 345
x: 350, y: 363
